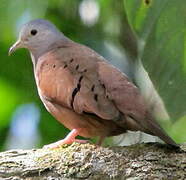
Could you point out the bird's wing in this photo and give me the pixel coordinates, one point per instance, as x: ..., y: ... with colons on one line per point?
x: 78, y: 78
x: 69, y: 77
x: 130, y: 102
x: 122, y: 91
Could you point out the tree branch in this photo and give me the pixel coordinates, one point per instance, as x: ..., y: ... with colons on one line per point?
x: 86, y: 161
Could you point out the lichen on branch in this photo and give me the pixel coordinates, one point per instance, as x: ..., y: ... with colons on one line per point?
x: 87, y: 161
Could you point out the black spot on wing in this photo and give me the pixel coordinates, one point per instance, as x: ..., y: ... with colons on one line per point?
x: 76, y: 90
x: 80, y: 79
x: 77, y: 67
x: 71, y: 60
x: 95, y: 97
x: 93, y: 87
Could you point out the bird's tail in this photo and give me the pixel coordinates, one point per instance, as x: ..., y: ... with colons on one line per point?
x: 156, y: 130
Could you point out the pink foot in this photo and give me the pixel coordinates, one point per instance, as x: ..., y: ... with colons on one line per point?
x: 69, y: 139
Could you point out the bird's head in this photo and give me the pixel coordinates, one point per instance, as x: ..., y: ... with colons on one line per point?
x: 37, y: 36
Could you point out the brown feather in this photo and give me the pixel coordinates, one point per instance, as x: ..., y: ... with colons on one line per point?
x: 76, y: 81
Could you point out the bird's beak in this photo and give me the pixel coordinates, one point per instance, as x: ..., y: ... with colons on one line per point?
x: 15, y: 46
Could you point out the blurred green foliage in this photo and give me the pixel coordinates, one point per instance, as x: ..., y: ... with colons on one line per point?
x: 151, y: 30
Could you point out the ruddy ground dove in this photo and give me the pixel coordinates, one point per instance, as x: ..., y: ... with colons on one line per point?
x: 81, y: 89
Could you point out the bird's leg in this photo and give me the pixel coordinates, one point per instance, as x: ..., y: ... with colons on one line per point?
x: 69, y: 139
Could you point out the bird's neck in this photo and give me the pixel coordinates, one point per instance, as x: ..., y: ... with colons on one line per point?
x: 35, y: 54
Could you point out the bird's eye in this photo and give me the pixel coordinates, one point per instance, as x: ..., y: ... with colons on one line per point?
x: 33, y: 32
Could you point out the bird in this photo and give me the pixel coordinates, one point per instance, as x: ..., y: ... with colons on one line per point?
x: 82, y: 90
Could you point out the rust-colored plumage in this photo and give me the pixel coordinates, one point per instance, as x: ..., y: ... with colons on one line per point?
x: 85, y: 93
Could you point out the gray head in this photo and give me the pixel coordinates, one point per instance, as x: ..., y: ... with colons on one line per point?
x: 38, y: 36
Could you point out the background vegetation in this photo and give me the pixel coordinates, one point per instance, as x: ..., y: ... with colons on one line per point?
x: 126, y: 32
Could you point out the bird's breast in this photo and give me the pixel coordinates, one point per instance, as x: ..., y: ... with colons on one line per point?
x: 54, y: 82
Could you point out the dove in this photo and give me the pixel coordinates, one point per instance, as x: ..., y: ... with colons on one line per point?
x: 82, y: 90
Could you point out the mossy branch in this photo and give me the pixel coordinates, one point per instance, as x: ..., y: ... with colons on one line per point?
x: 86, y: 161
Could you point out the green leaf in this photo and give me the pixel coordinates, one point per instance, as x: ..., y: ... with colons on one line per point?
x: 160, y: 29
x: 178, y: 130
x: 9, y: 100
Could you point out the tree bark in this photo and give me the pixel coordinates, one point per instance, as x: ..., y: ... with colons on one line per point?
x: 87, y: 161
